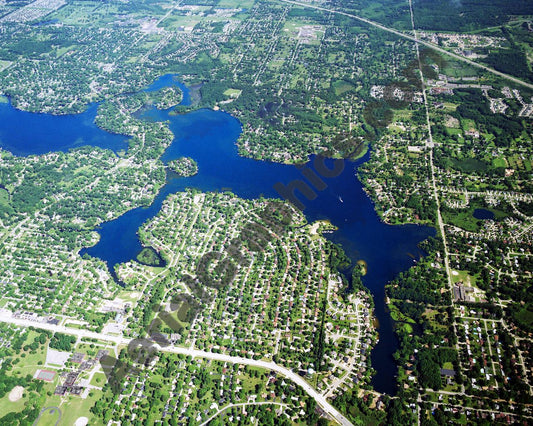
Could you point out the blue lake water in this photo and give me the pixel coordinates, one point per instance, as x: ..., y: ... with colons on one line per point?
x: 170, y: 80
x: 209, y: 137
x: 483, y: 214
x: 25, y: 133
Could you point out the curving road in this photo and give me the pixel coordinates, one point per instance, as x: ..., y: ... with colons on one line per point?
x: 6, y: 317
x: 416, y: 40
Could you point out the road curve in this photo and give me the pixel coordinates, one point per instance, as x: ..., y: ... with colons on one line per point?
x: 6, y: 317
x: 414, y: 39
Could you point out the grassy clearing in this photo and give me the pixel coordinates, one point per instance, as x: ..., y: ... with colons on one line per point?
x: 341, y: 87
x: 402, y: 115
x: 465, y: 219
x: 453, y: 131
x: 462, y: 219
x: 129, y: 296
x: 74, y: 325
x: 499, y: 162
x: 86, y: 349
x: 72, y: 407
x: 4, y: 65
x: 62, y: 50
x: 236, y: 4
x: 398, y: 316
x: 233, y: 93
x: 4, y: 197
x: 6, y: 406
x: 98, y: 379
x: 464, y: 277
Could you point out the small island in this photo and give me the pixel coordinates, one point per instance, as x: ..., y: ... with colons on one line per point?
x: 167, y: 97
x: 183, y: 166
x: 148, y: 256
x: 363, y: 267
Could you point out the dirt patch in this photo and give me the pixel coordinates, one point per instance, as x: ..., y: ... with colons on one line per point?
x: 16, y: 393
x: 81, y: 421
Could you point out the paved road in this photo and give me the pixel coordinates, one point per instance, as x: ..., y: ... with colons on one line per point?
x: 412, y: 38
x: 6, y: 317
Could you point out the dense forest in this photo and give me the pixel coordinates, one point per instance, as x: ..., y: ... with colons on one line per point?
x: 466, y: 15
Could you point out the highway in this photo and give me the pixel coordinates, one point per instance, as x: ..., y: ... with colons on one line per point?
x: 415, y: 40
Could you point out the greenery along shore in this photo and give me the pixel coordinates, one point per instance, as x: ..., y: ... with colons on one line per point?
x: 183, y: 166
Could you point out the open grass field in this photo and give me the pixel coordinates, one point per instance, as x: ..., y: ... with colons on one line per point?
x: 77, y: 407
x: 232, y: 93
x: 86, y: 13
x: 341, y: 87
x: 98, y: 379
x: 499, y: 162
x: 4, y: 65
x: 464, y: 277
x: 236, y: 4
x: 7, y: 406
x: 4, y: 196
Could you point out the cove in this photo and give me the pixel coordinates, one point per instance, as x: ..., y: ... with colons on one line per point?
x: 209, y: 138
x: 26, y: 133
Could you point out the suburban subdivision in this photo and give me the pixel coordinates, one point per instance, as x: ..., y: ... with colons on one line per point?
x: 266, y: 212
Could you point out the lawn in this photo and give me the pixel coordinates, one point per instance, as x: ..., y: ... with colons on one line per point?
x: 72, y: 407
x: 499, y: 162
x: 27, y: 363
x: 129, y: 296
x: 342, y: 87
x: 4, y: 197
x: 86, y: 349
x: 453, y: 131
x: 98, y: 379
x: 402, y: 115
x: 233, y: 93
x: 236, y: 4
x: 62, y: 50
x: 462, y: 276
x: 6, y: 406
x: 3, y: 66
x: 75, y: 325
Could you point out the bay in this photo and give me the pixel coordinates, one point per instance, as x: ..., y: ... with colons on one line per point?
x: 209, y: 137
x: 26, y: 133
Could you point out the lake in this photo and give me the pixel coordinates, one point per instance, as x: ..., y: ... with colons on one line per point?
x: 483, y: 214
x: 209, y: 137
x: 26, y: 133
